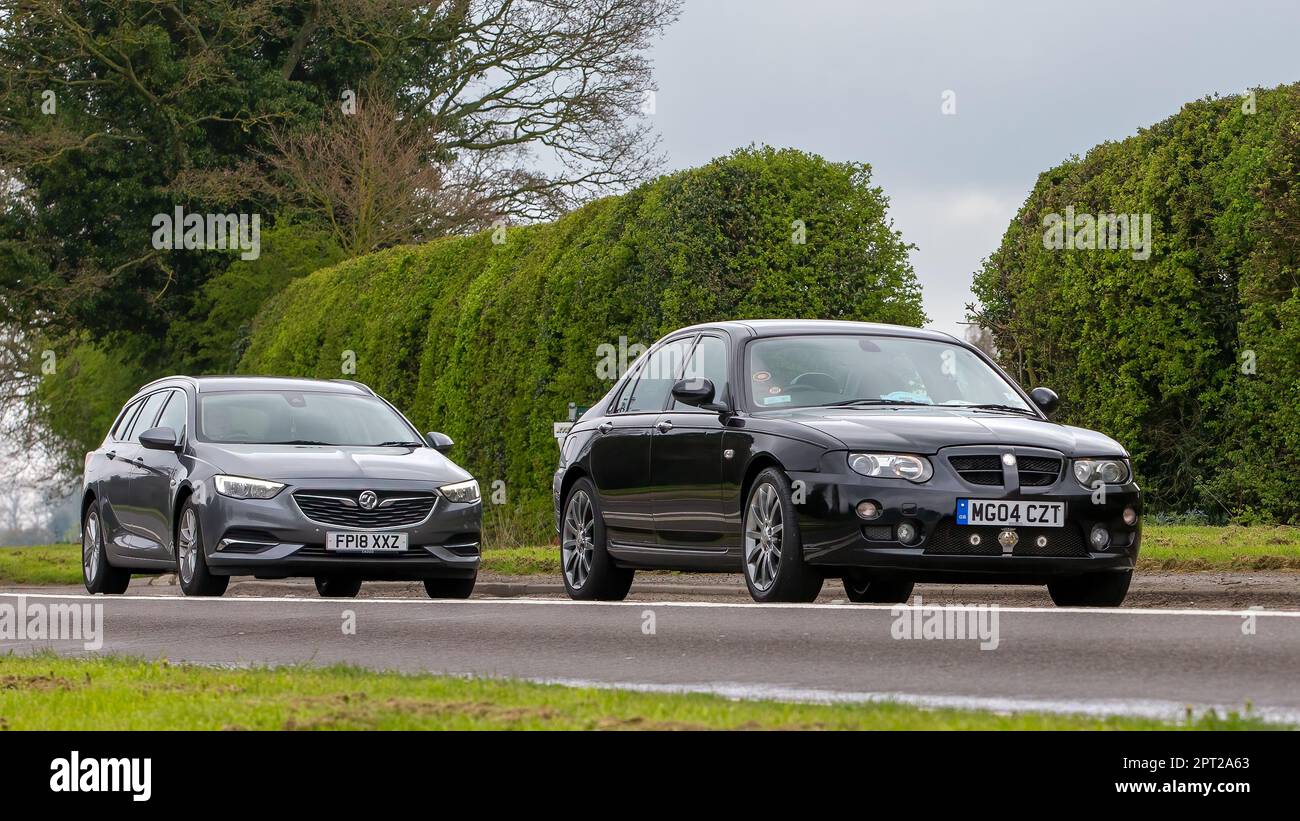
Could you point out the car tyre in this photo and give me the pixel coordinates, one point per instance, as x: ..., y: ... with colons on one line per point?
x: 338, y: 587
x: 98, y: 575
x: 589, y: 572
x: 191, y: 565
x: 772, y: 546
x: 450, y: 588
x: 862, y: 588
x: 1091, y: 590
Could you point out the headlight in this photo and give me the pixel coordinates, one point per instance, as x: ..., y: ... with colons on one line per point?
x: 238, y: 487
x: 461, y: 491
x: 891, y: 466
x: 1106, y: 471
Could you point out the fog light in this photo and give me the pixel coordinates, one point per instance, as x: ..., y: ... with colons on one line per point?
x: 907, y: 533
x: 1100, y: 537
x: 868, y: 510
x: 1130, y: 516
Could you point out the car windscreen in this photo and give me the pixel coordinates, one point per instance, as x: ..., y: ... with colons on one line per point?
x: 807, y: 371
x: 299, y: 417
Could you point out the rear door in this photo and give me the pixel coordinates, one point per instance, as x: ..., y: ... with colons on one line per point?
x: 620, y: 454
x: 686, y: 458
x: 136, y: 540
x: 154, y: 485
x: 114, y: 478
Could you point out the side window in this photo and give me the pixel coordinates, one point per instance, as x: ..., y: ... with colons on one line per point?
x: 124, y: 423
x: 173, y: 416
x: 708, y: 361
x: 144, y: 419
x: 625, y: 395
x: 657, y: 376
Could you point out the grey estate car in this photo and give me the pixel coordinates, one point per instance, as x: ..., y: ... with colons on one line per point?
x: 213, y: 477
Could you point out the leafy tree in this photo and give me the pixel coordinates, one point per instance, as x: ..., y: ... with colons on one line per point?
x: 1151, y: 350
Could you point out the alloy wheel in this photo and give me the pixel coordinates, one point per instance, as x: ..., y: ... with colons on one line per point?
x: 577, y: 544
x: 187, y: 545
x: 763, y: 528
x: 90, y: 547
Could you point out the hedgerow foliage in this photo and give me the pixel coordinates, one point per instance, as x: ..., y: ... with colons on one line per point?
x: 1189, y: 357
x: 489, y: 342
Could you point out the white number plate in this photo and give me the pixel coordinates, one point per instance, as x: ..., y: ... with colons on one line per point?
x: 357, y: 542
x: 1016, y: 514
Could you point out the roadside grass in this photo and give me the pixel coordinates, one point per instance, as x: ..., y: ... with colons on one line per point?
x: 1180, y: 548
x: 1206, y: 547
x: 42, y: 564
x: 46, y: 692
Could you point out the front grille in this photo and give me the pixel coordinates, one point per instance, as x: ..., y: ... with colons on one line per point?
x: 954, y: 540
x: 978, y: 470
x: 340, y: 508
x: 986, y: 469
x: 1039, y: 471
x: 878, y: 533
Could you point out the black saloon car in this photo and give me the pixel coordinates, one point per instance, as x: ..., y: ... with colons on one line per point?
x: 214, y: 477
x: 796, y: 450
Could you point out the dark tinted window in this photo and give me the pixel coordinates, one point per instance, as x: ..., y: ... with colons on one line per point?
x: 708, y: 361
x: 144, y: 420
x: 124, y: 424
x: 656, y: 377
x: 173, y: 416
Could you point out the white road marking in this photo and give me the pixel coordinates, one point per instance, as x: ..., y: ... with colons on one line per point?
x: 841, y: 608
x: 1157, y: 709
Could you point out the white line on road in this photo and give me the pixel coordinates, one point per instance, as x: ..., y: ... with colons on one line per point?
x: 1158, y: 709
x: 841, y: 608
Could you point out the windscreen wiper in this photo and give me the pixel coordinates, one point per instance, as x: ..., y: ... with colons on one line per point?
x: 400, y: 443
x: 301, y: 442
x: 995, y: 406
x: 848, y: 402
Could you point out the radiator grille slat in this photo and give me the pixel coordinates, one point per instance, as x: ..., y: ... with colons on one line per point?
x: 340, y: 508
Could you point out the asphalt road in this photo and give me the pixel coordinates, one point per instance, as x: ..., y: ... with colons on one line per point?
x: 1129, y: 661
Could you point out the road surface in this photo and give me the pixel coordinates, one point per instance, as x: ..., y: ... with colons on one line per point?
x: 1131, y: 661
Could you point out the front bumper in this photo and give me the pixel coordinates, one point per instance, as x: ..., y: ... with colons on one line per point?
x: 273, y: 538
x: 834, y: 536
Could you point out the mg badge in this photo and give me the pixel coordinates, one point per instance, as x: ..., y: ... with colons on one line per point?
x: 1007, y: 539
x: 367, y: 500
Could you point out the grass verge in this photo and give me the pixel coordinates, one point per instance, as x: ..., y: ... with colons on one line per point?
x: 1186, y: 548
x: 45, y: 692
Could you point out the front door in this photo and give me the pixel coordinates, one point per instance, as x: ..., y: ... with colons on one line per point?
x: 686, y: 459
x: 620, y: 455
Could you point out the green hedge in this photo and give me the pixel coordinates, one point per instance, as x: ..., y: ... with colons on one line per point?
x: 1157, y: 352
x: 489, y: 342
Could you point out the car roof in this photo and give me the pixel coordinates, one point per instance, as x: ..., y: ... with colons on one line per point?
x: 785, y: 327
x: 213, y: 384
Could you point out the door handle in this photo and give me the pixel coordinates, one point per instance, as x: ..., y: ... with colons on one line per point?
x: 604, y: 427
x: 664, y: 426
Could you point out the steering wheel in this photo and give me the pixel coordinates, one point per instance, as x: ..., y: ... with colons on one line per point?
x: 814, y: 381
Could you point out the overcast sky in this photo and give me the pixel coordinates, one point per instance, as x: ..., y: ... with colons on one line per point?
x: 1034, y: 82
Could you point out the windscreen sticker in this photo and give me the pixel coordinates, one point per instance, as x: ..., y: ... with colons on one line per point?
x: 762, y: 376
x: 776, y: 400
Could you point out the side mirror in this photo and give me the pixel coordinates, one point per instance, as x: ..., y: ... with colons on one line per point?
x: 160, y: 439
x: 698, y: 393
x: 1045, y: 398
x: 440, y: 442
